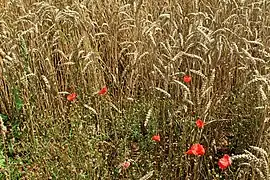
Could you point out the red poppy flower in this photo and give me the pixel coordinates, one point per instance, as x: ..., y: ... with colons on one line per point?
x: 187, y: 79
x: 196, y: 149
x: 199, y: 123
x: 125, y: 164
x: 156, y: 138
x: 72, y: 97
x: 224, y: 162
x: 103, y: 91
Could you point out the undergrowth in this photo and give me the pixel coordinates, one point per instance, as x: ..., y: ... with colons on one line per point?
x: 94, y: 89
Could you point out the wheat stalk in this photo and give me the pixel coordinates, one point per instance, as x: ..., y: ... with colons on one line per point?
x: 163, y: 91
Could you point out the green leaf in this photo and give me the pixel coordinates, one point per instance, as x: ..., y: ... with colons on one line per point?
x: 4, y: 117
x: 18, y: 100
x: 2, y: 160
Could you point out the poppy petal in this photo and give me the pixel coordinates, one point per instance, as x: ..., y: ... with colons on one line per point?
x: 103, y: 91
x: 72, y: 97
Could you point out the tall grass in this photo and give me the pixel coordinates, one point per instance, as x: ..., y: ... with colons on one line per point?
x: 140, y: 50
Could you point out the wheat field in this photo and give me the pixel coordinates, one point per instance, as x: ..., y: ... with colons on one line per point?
x: 122, y: 89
